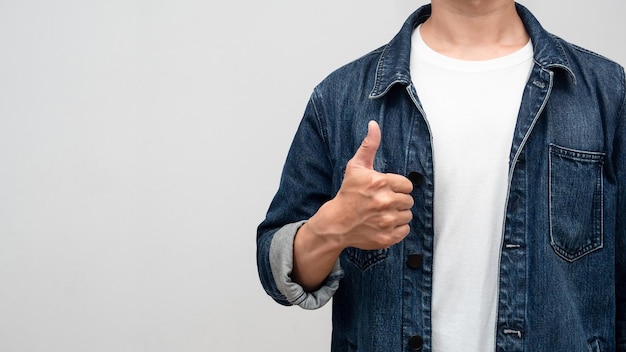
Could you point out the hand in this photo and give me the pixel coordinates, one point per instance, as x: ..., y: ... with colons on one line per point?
x: 371, y: 210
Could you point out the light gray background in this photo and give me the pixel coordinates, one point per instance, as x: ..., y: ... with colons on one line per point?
x: 140, y: 145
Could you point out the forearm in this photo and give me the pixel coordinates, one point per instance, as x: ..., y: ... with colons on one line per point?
x: 313, y: 258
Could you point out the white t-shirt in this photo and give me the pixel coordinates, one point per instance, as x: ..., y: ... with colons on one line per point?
x: 471, y: 108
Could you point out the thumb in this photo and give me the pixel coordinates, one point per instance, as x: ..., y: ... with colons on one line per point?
x: 364, y: 156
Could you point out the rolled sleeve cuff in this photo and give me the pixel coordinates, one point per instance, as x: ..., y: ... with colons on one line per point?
x: 281, y: 263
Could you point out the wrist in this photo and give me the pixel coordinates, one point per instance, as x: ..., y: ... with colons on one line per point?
x: 320, y: 233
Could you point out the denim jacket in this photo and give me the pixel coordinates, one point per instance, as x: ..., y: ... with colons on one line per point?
x: 562, y: 275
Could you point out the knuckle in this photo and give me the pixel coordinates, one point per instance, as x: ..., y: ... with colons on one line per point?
x: 378, y: 181
x: 385, y: 241
x: 380, y: 203
x: 385, y: 221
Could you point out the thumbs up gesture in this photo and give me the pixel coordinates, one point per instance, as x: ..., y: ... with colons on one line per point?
x: 371, y: 209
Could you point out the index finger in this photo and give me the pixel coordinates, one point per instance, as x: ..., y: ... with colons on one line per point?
x: 400, y: 184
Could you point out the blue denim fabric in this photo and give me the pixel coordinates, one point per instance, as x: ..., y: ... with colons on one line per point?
x: 562, y: 283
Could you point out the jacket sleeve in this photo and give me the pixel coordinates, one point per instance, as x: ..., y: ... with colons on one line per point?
x: 620, y: 251
x: 281, y: 263
x: 306, y: 184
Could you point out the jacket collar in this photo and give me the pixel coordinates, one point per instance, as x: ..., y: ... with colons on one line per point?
x: 394, y: 62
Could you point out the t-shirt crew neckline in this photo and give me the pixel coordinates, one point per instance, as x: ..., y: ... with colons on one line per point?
x: 503, y: 62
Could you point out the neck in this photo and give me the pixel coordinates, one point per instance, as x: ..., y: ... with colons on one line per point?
x: 474, y: 29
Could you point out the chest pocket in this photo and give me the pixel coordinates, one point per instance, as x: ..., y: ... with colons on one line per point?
x: 576, y: 202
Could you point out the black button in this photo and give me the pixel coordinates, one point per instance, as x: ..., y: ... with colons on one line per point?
x: 416, y: 178
x: 414, y: 261
x: 416, y: 343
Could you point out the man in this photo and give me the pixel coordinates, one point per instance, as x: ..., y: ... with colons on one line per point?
x: 462, y: 188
